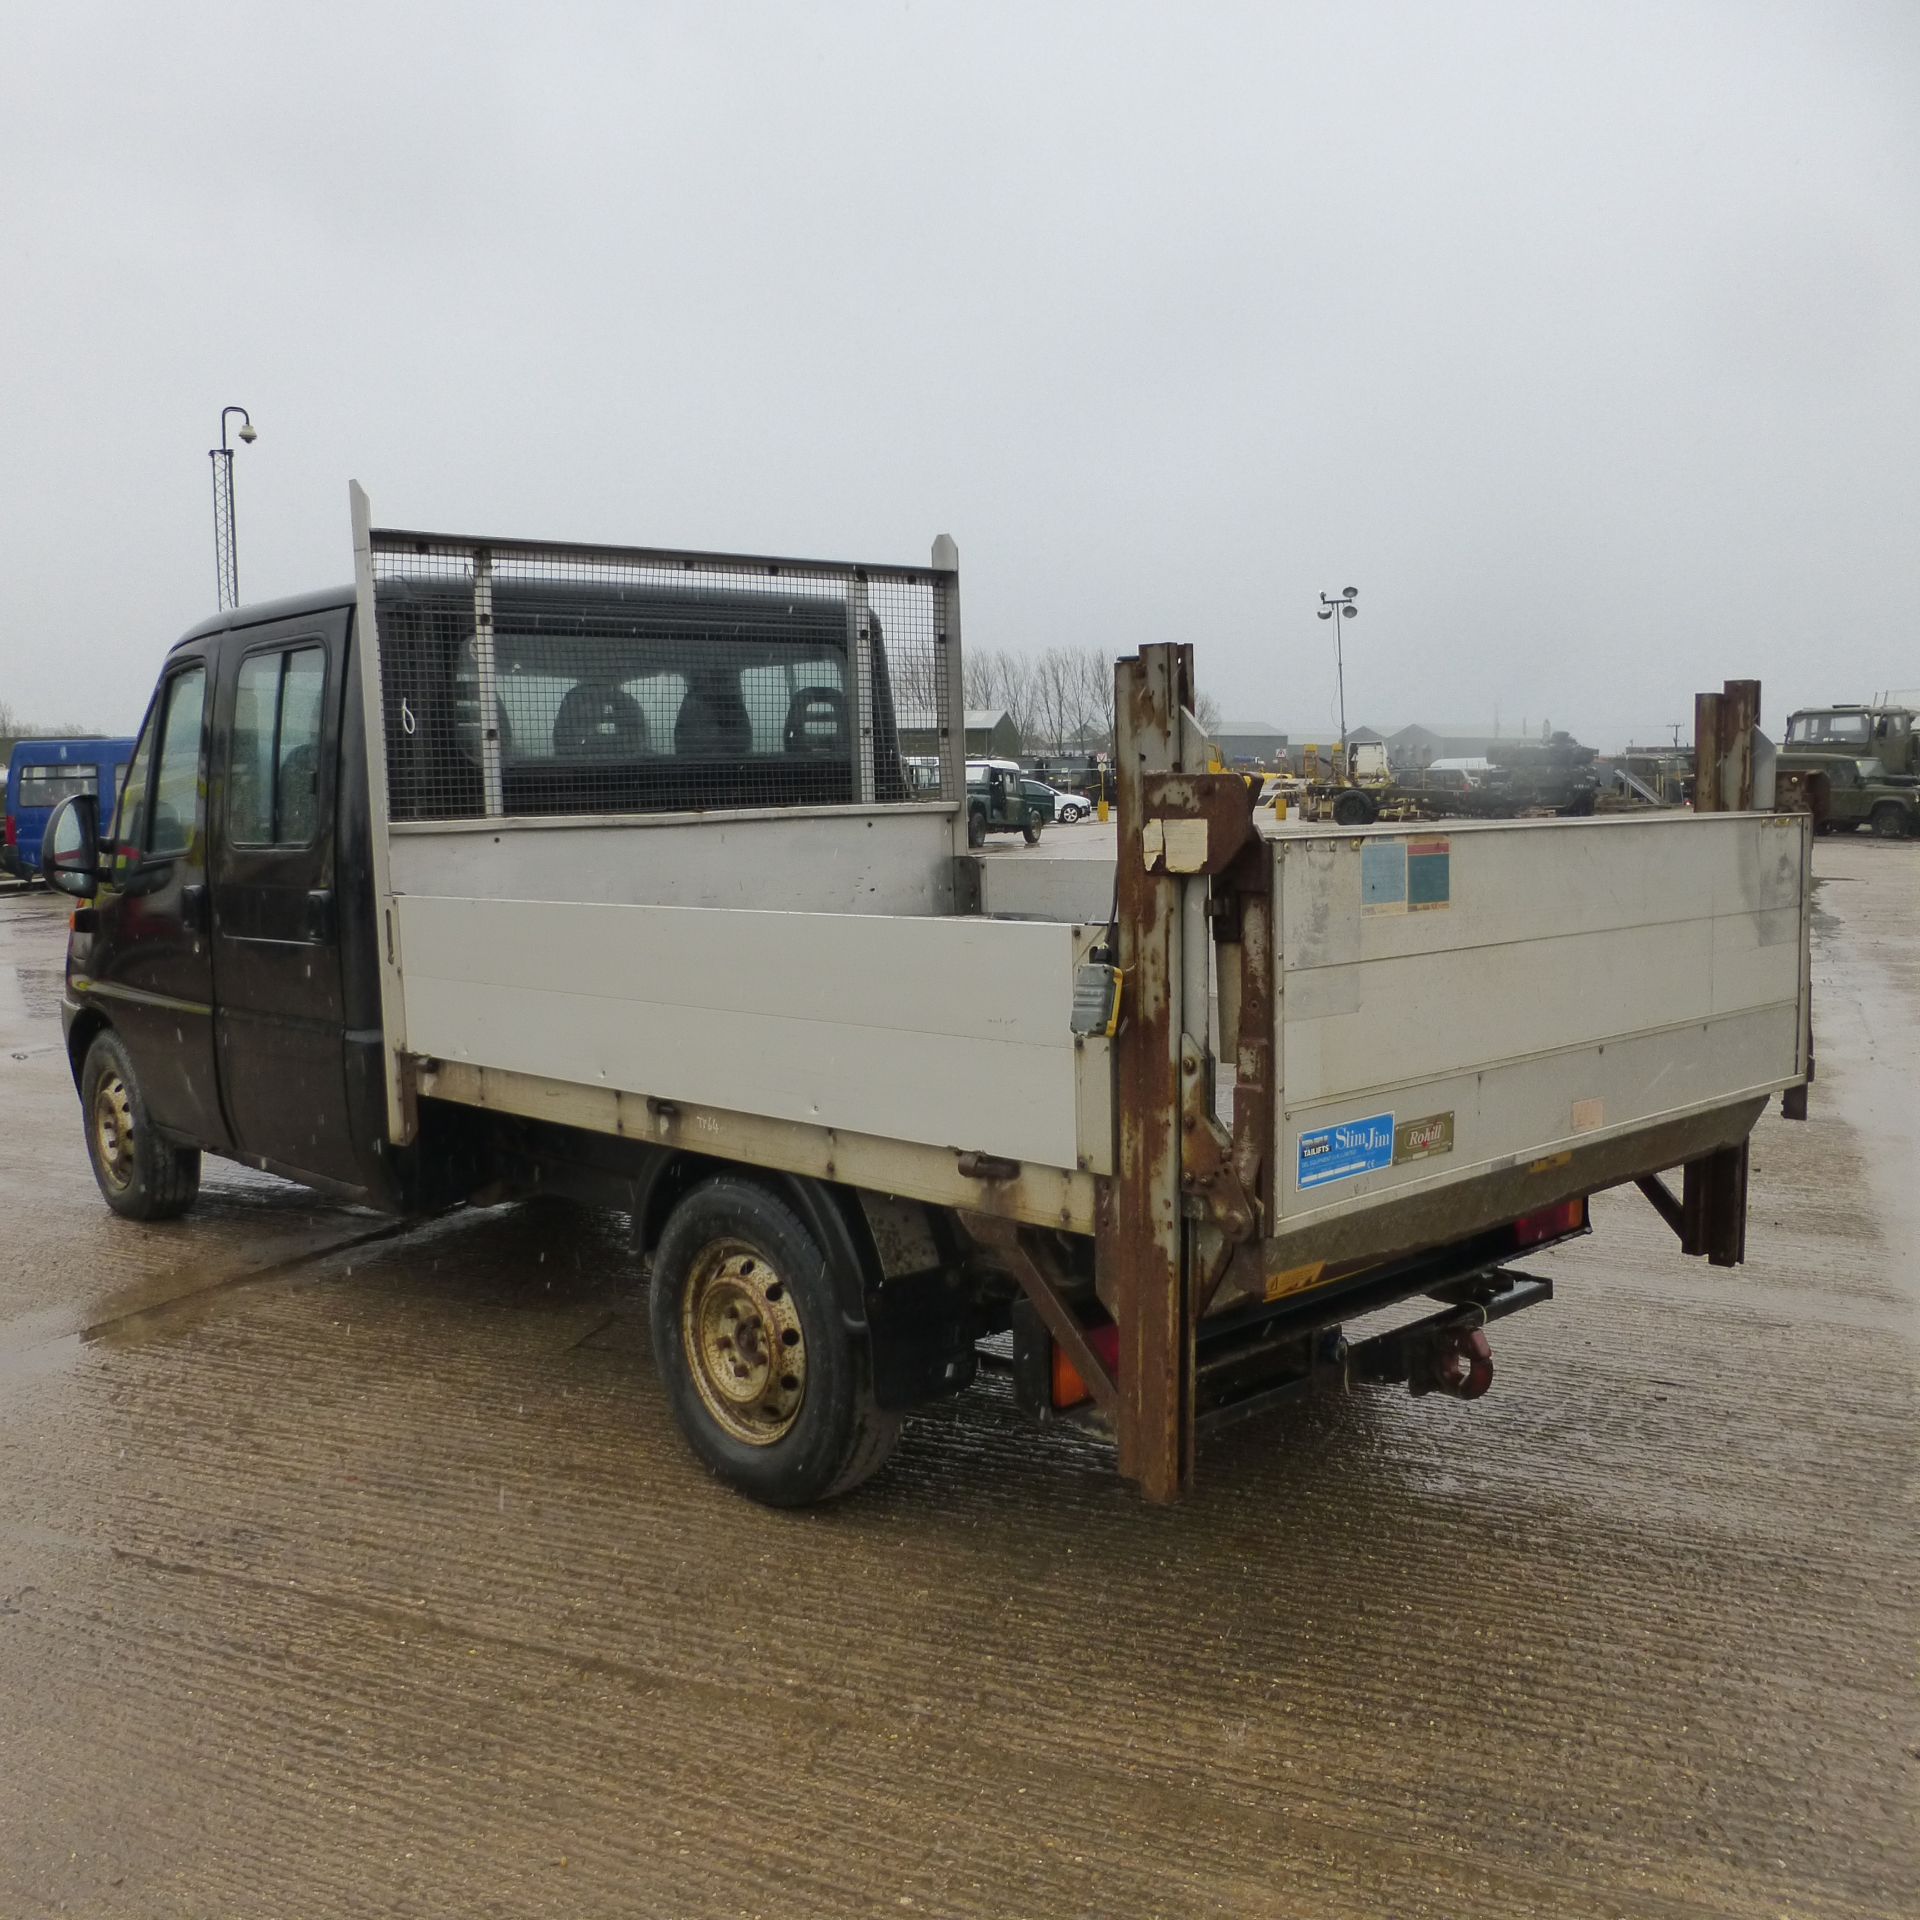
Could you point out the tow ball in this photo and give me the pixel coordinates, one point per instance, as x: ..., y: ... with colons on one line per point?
x: 1457, y: 1361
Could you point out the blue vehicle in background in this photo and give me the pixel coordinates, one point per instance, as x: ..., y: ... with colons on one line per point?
x: 40, y: 774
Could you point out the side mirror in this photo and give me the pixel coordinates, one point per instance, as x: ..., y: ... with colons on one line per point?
x: 70, y: 847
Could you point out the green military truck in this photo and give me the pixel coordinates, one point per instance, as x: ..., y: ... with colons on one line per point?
x: 1856, y: 766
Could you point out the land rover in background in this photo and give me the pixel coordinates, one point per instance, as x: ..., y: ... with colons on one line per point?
x: 999, y: 801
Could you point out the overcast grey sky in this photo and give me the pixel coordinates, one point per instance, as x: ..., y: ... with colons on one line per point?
x: 1583, y: 339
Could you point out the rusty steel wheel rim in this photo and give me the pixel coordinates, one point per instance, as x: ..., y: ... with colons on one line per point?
x: 113, y: 1130
x: 740, y: 1330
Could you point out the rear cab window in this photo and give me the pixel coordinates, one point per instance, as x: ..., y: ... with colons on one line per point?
x: 273, y: 768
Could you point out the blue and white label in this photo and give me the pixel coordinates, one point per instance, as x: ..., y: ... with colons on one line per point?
x: 1353, y: 1147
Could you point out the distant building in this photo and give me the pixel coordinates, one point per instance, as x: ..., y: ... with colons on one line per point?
x: 1252, y: 741
x: 992, y: 734
x: 1418, y: 746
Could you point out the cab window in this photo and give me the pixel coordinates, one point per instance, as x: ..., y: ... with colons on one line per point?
x: 131, y: 825
x: 274, y: 772
x: 176, y: 781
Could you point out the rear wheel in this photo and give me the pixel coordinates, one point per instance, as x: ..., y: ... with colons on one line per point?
x: 976, y: 826
x: 140, y: 1175
x: 1890, y: 820
x: 767, y: 1383
x: 1030, y: 830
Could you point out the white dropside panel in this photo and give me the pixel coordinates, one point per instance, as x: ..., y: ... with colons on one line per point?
x: 889, y: 860
x: 1459, y: 1000
x: 1025, y: 886
x: 947, y: 1032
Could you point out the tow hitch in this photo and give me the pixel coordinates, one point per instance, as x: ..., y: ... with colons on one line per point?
x: 1458, y: 1361
x: 1446, y: 1352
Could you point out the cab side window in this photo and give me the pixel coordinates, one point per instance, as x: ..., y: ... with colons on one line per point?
x: 176, y: 786
x: 273, y: 782
x: 131, y: 826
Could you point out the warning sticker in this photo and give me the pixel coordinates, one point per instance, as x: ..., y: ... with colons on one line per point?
x: 1422, y: 1139
x: 1294, y: 1279
x: 1429, y: 875
x: 1339, y: 1153
x: 1383, y: 876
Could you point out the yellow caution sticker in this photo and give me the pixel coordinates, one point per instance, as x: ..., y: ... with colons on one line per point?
x: 1294, y: 1280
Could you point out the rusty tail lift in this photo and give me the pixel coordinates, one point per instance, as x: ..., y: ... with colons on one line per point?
x: 1186, y: 1196
x: 1188, y: 1200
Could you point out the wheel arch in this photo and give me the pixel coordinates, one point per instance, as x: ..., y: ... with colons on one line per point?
x: 829, y: 1211
x: 88, y: 1025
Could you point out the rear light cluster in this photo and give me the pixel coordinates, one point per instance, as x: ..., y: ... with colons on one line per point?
x: 1550, y: 1223
x: 1068, y: 1388
x: 13, y: 831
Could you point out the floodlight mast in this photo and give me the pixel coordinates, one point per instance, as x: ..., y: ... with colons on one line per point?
x: 226, y: 553
x: 1330, y: 605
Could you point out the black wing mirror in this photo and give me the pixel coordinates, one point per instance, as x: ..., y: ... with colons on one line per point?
x: 70, y: 846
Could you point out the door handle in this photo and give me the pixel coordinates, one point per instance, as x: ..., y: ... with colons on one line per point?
x: 193, y: 905
x: 319, y: 928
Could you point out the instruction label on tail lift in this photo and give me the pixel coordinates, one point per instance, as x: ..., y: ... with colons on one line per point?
x: 1341, y: 1152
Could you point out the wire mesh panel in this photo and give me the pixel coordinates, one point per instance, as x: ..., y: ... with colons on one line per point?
x: 524, y: 679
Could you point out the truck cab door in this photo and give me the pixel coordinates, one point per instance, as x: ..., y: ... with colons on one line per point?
x: 276, y: 952
x: 150, y: 960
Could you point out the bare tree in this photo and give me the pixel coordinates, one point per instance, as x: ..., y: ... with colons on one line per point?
x: 977, y: 676
x: 1096, y: 694
x: 15, y: 725
x: 917, y: 680
x: 1061, y: 712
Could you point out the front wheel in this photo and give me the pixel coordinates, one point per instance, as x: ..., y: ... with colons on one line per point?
x: 1889, y: 820
x: 767, y: 1383
x: 1353, y: 809
x: 1068, y: 815
x: 976, y: 826
x: 140, y: 1175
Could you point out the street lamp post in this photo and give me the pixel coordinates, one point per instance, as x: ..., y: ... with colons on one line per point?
x: 226, y: 553
x: 1344, y: 607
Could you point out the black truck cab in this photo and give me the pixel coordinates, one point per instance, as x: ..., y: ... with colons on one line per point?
x: 228, y: 948
x: 223, y: 988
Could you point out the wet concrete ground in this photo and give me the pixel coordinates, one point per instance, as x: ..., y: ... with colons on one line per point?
x: 347, y: 1575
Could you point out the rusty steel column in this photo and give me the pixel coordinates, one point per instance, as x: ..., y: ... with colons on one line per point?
x: 1143, y: 1252
x: 1706, y: 753
x: 1723, y: 725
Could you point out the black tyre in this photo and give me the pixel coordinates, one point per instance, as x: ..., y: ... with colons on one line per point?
x: 976, y: 826
x: 767, y: 1384
x: 1068, y: 815
x: 1030, y: 831
x: 1352, y: 809
x: 140, y: 1175
x: 1889, y: 820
